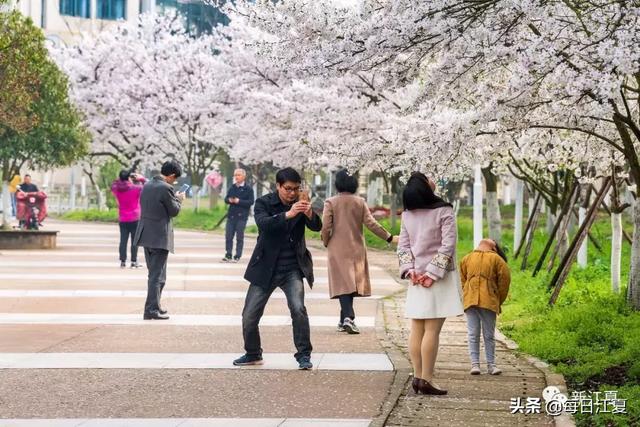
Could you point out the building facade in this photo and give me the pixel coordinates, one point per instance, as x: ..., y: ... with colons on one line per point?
x: 64, y: 20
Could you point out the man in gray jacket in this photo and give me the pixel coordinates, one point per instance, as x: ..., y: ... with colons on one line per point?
x: 159, y: 204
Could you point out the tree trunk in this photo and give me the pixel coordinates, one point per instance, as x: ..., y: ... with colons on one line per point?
x: 102, y: 200
x: 551, y: 219
x: 506, y: 192
x: 6, y: 206
x: 559, y: 229
x: 633, y: 291
x: 533, y: 207
x: 213, y: 198
x: 531, y: 238
x: 616, y: 250
x: 196, y: 200
x: 477, y: 206
x: 565, y: 265
x: 493, y: 207
x: 583, y: 252
x: 517, y: 231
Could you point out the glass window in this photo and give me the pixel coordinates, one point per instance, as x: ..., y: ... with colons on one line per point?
x: 80, y: 8
x: 111, y: 9
x: 197, y: 16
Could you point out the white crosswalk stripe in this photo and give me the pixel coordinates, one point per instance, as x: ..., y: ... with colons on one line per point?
x: 278, y: 361
x: 177, y: 319
x: 89, y: 293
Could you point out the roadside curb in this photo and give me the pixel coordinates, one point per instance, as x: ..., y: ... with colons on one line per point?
x: 551, y: 378
x: 402, y: 367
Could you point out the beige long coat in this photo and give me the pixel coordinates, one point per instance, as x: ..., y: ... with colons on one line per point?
x: 342, y: 234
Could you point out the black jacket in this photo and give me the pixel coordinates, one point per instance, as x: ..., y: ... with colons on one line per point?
x: 274, y: 231
x: 240, y: 209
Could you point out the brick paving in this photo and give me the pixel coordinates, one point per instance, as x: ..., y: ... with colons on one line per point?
x: 472, y: 400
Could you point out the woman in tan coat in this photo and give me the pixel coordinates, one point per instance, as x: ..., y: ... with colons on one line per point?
x: 485, y: 280
x: 342, y: 234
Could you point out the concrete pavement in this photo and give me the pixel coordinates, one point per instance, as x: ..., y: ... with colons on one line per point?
x: 74, y: 350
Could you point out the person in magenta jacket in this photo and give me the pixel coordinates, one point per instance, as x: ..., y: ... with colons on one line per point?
x: 127, y: 190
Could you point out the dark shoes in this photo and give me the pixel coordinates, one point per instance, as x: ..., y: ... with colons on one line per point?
x: 136, y: 265
x: 227, y: 258
x: 247, y: 360
x: 162, y: 311
x: 123, y: 264
x: 350, y: 326
x: 425, y: 387
x: 304, y: 363
x: 236, y: 259
x: 155, y: 316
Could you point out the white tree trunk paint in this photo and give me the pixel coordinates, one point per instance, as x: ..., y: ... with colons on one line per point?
x: 582, y: 253
x: 477, y: 206
x: 616, y: 250
x: 517, y: 231
x: 6, y: 205
x: 506, y: 192
x: 493, y: 216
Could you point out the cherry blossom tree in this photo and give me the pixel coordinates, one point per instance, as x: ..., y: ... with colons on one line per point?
x: 150, y: 91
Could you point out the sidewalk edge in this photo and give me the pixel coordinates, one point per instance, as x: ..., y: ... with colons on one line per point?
x: 402, y: 368
x: 550, y: 377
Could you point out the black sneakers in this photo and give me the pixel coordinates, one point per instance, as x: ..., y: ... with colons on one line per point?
x: 305, y: 363
x: 247, y: 360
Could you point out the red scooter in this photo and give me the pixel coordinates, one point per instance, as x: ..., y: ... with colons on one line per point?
x: 31, y: 209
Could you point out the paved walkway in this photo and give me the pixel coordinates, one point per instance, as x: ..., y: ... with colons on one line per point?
x: 472, y: 400
x: 74, y: 349
x: 75, y: 352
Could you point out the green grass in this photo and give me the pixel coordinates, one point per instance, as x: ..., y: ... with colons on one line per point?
x: 590, y: 336
x: 204, y: 219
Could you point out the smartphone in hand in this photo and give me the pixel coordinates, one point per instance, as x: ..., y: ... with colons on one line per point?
x: 184, y: 188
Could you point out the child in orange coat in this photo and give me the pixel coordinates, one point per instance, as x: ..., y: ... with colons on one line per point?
x: 485, y: 278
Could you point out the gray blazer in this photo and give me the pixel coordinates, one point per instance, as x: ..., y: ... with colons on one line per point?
x: 159, y: 204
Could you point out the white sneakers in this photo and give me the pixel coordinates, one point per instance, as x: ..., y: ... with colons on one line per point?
x: 491, y: 370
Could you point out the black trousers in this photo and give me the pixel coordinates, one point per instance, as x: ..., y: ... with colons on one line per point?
x: 128, y: 230
x: 346, y: 307
x: 156, y: 260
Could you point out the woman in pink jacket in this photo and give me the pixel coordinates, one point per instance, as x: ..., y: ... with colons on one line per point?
x: 127, y: 191
x: 426, y: 251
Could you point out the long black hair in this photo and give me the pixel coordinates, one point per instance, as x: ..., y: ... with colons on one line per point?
x: 418, y: 194
x: 500, y: 251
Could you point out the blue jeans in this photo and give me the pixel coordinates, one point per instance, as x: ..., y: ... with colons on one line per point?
x: 257, y: 298
x: 235, y: 227
x: 481, y: 319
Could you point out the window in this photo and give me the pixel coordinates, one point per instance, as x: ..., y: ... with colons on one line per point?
x: 198, y: 17
x: 79, y: 8
x: 111, y: 9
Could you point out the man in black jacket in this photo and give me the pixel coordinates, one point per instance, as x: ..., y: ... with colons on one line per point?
x: 280, y: 259
x: 239, y: 198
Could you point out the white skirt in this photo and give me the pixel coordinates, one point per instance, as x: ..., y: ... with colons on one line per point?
x: 443, y: 299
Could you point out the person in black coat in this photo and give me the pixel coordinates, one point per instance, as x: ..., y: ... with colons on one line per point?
x: 239, y: 198
x: 159, y: 203
x: 280, y: 260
